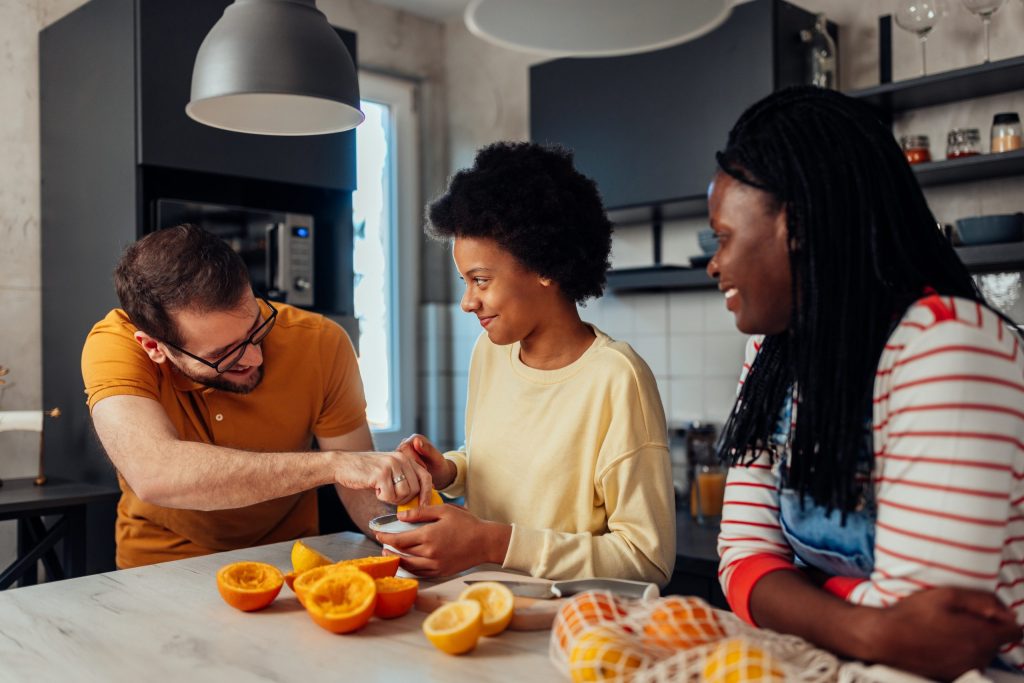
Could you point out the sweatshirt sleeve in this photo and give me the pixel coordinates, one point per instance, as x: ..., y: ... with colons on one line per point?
x: 641, y: 540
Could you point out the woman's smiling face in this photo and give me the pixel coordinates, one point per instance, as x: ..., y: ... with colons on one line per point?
x: 752, y: 261
x: 508, y: 299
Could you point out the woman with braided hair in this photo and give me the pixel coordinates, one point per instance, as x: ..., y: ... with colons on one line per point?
x: 875, y: 497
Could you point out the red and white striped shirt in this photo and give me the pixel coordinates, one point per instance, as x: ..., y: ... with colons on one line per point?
x: 948, y: 425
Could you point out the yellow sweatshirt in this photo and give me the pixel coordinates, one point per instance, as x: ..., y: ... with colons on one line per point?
x: 575, y: 459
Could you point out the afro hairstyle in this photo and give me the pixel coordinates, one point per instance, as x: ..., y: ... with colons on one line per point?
x: 531, y: 200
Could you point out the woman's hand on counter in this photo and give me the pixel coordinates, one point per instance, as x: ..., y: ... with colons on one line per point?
x: 941, y: 632
x: 455, y: 540
x: 938, y: 633
x: 442, y: 471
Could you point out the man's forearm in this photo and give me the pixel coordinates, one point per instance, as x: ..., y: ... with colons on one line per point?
x: 199, y: 476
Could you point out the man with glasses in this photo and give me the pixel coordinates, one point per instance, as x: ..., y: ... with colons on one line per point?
x: 208, y: 400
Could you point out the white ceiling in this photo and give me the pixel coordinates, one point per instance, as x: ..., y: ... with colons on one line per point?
x: 440, y: 10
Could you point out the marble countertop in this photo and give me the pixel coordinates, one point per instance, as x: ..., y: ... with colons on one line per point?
x: 168, y: 622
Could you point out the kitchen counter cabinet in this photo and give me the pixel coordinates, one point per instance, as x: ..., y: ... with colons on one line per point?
x: 696, y: 571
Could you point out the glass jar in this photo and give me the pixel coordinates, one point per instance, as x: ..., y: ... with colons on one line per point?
x: 1006, y: 133
x: 707, y: 476
x: 916, y: 148
x: 963, y: 142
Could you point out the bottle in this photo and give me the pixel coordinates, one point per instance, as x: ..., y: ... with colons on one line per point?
x: 915, y: 148
x: 821, y: 54
x: 1006, y: 132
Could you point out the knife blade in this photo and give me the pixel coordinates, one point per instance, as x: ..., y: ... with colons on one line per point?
x: 562, y: 589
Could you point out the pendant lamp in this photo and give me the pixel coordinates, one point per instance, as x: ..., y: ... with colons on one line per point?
x: 274, y: 67
x: 593, y: 28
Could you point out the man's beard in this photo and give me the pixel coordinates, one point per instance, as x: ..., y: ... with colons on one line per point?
x: 222, y: 383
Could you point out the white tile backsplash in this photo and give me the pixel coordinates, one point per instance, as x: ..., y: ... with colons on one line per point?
x: 686, y: 397
x: 686, y: 312
x: 686, y: 355
x: 723, y: 354
x: 650, y: 313
x: 654, y: 350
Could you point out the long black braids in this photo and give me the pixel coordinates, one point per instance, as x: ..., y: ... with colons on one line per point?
x: 863, y: 246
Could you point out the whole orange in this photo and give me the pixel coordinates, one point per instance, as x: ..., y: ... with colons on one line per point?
x: 249, y: 586
x: 342, y: 601
x: 680, y: 622
x: 395, y: 596
x: 585, y: 610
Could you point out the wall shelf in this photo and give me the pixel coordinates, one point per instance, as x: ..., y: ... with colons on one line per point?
x: 659, y: 278
x: 946, y: 87
x: 966, y: 169
x: 989, y: 258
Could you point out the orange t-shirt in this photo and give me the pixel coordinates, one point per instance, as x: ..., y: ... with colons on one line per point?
x: 311, y: 388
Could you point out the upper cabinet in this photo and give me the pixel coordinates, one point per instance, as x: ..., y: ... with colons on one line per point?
x: 646, y: 127
x: 168, y: 36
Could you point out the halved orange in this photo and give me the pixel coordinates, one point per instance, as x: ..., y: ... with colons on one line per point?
x: 497, y: 602
x: 680, y: 622
x: 342, y: 601
x: 304, y: 581
x: 305, y: 558
x: 435, y: 499
x: 395, y: 596
x: 455, y: 627
x: 377, y: 566
x: 249, y: 586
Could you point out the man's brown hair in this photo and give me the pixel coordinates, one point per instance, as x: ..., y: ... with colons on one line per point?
x: 175, y: 269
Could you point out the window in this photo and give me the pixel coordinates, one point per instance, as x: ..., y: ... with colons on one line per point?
x: 386, y: 210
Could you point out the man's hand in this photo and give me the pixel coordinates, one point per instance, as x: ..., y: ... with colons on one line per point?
x: 442, y: 471
x: 394, y: 477
x: 456, y: 540
x: 942, y: 632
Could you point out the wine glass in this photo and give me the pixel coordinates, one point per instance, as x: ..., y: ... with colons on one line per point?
x: 920, y: 17
x: 984, y: 9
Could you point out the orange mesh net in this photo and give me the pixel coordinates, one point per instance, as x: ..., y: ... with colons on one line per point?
x: 598, y: 636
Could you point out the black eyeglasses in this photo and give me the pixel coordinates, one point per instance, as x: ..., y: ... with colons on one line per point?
x: 231, y: 358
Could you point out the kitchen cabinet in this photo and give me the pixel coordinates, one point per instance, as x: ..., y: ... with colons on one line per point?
x: 646, y: 126
x: 891, y: 99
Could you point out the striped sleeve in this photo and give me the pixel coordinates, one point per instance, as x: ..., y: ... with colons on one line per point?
x: 750, y: 543
x: 949, y: 424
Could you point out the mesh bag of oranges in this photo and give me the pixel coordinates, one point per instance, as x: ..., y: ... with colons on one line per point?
x: 598, y: 636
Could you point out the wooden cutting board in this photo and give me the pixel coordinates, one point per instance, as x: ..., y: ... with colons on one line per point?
x: 528, y: 614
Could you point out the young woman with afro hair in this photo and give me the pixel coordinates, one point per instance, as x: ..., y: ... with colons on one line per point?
x: 565, y: 465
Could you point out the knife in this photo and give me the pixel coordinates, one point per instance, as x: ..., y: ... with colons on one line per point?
x: 561, y: 589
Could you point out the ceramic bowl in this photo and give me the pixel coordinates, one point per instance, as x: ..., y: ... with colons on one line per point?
x: 991, y: 229
x: 707, y: 241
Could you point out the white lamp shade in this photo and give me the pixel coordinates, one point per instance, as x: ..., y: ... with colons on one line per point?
x: 593, y: 28
x: 275, y: 67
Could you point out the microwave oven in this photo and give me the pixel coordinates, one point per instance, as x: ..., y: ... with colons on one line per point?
x: 276, y: 246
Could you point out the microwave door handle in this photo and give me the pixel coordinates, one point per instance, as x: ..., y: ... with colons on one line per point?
x: 273, y: 259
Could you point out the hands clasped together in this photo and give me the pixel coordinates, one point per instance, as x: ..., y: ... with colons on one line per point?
x: 451, y: 538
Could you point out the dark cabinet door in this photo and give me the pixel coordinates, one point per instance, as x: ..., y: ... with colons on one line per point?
x: 168, y: 36
x: 646, y: 127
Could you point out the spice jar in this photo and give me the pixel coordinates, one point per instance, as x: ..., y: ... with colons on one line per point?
x: 915, y: 148
x: 1006, y: 132
x: 963, y: 142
